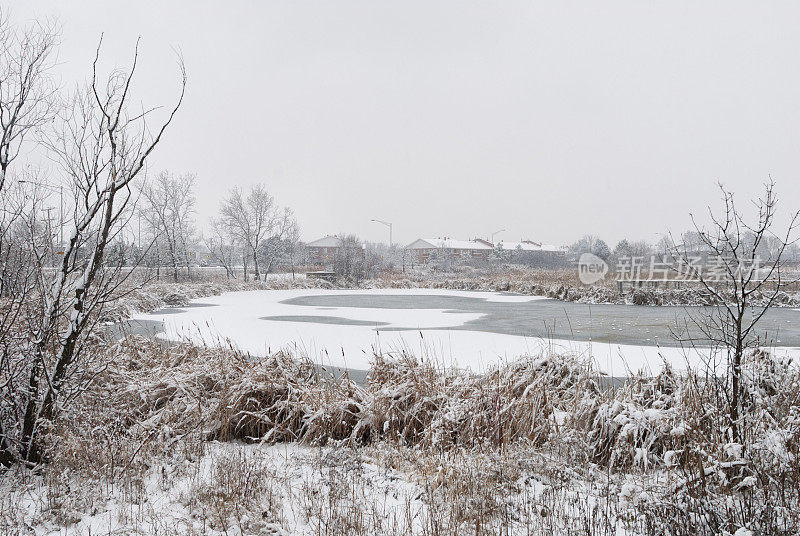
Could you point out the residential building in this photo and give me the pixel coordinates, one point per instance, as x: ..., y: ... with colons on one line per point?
x: 423, y: 249
x: 323, y: 251
x: 326, y: 250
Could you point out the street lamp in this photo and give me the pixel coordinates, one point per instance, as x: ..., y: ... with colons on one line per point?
x: 389, y: 225
x: 494, y: 233
x: 61, y: 205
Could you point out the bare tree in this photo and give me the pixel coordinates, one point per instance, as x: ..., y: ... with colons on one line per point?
x: 101, y: 148
x: 744, y: 278
x: 26, y: 103
x: 222, y: 247
x: 25, y: 239
x: 293, y: 247
x: 283, y: 239
x: 251, y: 218
x: 26, y: 86
x: 167, y: 207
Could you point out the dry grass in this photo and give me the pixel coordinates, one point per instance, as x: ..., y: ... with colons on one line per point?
x: 531, y: 447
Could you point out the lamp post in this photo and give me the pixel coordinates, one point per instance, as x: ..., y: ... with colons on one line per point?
x: 389, y: 225
x: 494, y: 233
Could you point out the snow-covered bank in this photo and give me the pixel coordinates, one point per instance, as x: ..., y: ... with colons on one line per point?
x: 156, y: 295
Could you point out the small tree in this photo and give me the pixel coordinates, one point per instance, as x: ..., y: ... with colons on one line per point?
x: 745, y: 278
x: 222, y: 247
x: 501, y: 254
x: 101, y: 148
x: 249, y: 218
x: 280, y: 242
x: 382, y: 257
x: 626, y: 249
x: 253, y: 220
x: 349, y: 262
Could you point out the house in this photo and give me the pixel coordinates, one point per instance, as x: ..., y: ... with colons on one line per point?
x: 423, y: 249
x: 324, y: 250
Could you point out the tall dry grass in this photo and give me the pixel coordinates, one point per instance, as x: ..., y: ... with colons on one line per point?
x: 531, y: 446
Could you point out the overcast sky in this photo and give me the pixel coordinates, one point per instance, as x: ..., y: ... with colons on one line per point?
x: 551, y: 120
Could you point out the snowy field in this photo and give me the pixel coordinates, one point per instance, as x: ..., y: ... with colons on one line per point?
x: 291, y: 489
x: 348, y: 336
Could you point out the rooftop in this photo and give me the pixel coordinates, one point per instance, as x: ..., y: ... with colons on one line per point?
x: 446, y: 243
x: 326, y: 242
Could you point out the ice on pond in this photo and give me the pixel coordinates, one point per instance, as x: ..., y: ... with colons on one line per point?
x: 260, y: 322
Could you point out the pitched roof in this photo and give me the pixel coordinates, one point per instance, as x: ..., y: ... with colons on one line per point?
x: 446, y: 243
x: 326, y: 242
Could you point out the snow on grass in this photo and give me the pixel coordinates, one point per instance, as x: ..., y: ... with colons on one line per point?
x: 233, y: 488
x: 534, y: 448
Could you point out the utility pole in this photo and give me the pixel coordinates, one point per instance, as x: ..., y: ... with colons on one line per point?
x: 60, y: 209
x: 50, y: 236
x: 61, y: 216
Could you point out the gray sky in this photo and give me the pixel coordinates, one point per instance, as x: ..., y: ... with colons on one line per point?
x: 551, y: 120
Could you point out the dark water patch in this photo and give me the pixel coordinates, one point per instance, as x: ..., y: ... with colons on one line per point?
x: 554, y: 319
x: 143, y: 328
x: 377, y: 301
x: 336, y: 320
x: 182, y: 308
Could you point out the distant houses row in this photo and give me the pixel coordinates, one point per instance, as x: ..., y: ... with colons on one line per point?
x: 424, y: 250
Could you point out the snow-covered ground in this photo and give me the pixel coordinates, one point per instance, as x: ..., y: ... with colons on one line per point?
x: 173, y: 495
x: 238, y: 318
x: 290, y: 489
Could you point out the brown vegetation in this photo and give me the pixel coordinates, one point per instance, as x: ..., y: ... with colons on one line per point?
x: 653, y: 450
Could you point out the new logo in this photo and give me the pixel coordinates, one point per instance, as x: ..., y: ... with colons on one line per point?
x: 591, y: 268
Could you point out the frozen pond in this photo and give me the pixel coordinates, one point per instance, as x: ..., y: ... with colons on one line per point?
x: 453, y: 328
